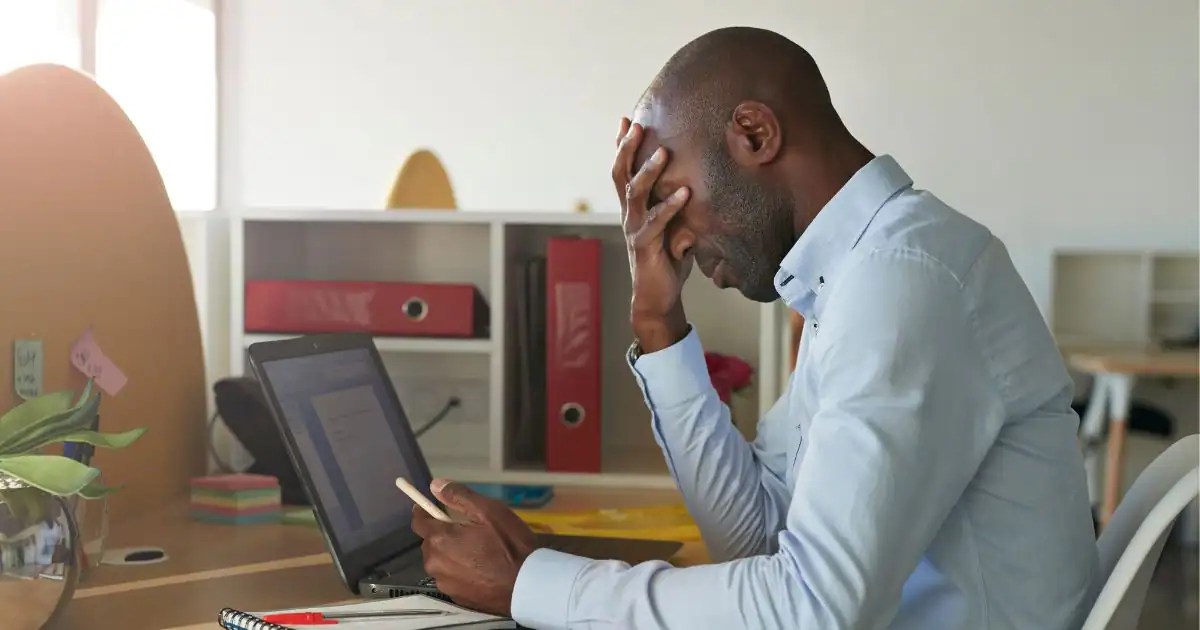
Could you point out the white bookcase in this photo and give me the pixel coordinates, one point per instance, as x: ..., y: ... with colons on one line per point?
x: 480, y: 248
x: 1124, y: 298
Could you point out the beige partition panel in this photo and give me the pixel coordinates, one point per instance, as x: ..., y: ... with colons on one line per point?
x: 88, y: 240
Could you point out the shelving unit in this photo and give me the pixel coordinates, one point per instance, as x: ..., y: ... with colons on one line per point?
x: 481, y: 248
x: 1125, y: 298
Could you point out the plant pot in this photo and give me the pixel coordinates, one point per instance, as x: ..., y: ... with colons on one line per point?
x: 39, y: 565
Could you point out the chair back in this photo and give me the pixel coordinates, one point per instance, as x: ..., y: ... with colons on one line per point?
x: 1132, y: 542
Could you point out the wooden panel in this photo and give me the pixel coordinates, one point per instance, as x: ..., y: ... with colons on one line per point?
x: 89, y: 239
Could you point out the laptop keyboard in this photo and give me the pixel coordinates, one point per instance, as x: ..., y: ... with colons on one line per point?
x: 574, y: 545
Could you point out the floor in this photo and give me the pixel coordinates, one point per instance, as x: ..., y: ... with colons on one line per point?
x: 1172, y: 602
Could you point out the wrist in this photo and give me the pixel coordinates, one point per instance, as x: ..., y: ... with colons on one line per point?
x: 657, y: 333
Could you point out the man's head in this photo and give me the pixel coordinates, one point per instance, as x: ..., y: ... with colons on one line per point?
x: 747, y: 121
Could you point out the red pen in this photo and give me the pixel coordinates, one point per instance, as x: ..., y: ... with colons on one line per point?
x: 328, y: 619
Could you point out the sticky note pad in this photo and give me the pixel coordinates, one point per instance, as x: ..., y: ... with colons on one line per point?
x: 237, y: 481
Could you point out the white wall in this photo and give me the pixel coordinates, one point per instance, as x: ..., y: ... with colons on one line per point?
x: 1056, y: 123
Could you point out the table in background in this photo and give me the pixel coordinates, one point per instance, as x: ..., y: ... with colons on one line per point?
x: 249, y: 567
x: 1115, y: 373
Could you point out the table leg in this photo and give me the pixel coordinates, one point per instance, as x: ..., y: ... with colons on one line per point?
x: 1091, y: 434
x: 1113, y: 468
x: 1120, y: 388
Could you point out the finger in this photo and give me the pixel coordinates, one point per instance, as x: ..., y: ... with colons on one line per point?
x: 461, y: 498
x: 638, y: 190
x: 622, y: 130
x: 623, y: 163
x: 425, y: 525
x: 657, y: 218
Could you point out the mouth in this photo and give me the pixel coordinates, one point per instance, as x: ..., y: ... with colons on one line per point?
x: 717, y: 270
x: 720, y: 277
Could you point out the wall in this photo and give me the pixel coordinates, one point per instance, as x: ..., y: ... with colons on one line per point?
x: 1064, y: 123
x: 1055, y: 123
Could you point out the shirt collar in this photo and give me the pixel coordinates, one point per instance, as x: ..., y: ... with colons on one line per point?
x: 836, y: 230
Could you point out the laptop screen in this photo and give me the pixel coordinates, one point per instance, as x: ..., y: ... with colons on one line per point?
x: 353, y: 439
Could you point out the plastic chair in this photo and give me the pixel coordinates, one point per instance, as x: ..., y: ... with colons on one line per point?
x: 1133, y: 540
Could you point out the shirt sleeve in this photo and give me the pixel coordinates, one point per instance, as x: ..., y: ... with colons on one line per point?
x: 734, y: 490
x: 906, y: 412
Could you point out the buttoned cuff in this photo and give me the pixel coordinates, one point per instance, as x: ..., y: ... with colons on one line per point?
x: 542, y: 594
x: 674, y: 375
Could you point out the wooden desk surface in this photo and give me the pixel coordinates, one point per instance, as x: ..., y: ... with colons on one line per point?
x: 250, y: 567
x: 1181, y: 363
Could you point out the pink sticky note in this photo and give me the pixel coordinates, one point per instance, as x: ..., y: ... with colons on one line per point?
x: 87, y: 357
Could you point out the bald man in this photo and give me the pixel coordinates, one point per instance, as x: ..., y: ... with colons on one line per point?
x: 921, y: 471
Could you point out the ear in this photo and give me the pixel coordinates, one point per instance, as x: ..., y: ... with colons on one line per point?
x: 754, y: 137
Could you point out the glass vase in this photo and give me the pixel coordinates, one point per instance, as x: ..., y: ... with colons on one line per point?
x: 39, y: 568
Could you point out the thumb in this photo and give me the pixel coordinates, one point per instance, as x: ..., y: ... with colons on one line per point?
x: 459, y: 497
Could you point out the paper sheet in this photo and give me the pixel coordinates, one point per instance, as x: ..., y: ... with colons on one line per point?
x: 87, y: 357
x: 461, y: 616
x: 27, y: 368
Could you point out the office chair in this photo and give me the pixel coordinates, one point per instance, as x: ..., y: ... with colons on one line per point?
x: 1133, y: 540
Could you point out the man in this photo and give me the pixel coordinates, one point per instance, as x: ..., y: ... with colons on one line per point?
x: 921, y: 471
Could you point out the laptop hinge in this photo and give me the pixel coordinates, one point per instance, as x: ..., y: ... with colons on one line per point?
x: 388, y: 565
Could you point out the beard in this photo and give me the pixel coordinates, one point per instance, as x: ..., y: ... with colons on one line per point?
x: 754, y: 222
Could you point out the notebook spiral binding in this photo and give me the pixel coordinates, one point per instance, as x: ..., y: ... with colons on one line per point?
x: 231, y: 619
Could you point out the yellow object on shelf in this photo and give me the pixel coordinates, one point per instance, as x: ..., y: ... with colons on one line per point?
x: 422, y: 184
x: 660, y: 522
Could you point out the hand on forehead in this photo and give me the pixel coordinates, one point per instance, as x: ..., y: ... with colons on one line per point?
x: 656, y: 132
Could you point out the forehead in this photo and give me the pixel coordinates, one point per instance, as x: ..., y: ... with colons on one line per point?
x: 659, y: 129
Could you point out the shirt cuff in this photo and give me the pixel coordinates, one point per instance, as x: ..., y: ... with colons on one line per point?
x: 542, y: 594
x: 674, y: 375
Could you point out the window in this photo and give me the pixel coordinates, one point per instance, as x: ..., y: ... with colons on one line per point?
x: 38, y: 31
x: 158, y: 60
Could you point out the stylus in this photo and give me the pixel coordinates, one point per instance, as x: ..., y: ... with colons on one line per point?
x: 421, y: 500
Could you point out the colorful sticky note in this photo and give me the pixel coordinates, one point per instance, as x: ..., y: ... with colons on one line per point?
x: 87, y: 357
x: 27, y: 368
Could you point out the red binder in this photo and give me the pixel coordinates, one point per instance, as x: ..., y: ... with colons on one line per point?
x: 573, y: 355
x: 380, y: 308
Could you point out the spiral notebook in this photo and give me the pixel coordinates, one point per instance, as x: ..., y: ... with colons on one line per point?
x: 459, y: 618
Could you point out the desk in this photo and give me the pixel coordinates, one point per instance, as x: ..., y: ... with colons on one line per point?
x: 250, y: 567
x: 1115, y: 372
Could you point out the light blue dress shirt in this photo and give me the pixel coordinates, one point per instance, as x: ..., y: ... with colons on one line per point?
x: 920, y: 472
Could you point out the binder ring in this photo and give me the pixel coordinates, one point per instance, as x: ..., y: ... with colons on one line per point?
x: 572, y: 414
x: 415, y: 309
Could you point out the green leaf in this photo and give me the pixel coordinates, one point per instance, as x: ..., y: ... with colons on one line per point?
x: 97, y: 490
x: 25, y: 504
x: 55, y: 474
x: 51, y: 429
x: 33, y: 411
x: 103, y: 440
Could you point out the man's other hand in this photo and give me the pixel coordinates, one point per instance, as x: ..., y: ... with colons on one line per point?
x: 475, y: 560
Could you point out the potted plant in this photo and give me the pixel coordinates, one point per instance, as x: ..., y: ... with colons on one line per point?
x: 39, y: 563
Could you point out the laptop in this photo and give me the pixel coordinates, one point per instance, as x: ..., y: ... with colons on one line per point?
x: 346, y: 433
